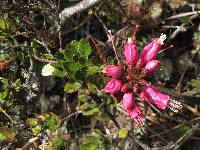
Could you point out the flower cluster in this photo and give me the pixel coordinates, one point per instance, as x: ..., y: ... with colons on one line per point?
x: 128, y: 78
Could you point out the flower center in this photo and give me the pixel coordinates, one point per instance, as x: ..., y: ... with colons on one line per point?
x: 134, y: 77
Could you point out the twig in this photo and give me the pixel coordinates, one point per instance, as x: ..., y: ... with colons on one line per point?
x: 70, y: 115
x: 59, y: 29
x: 143, y: 145
x: 45, y: 60
x: 64, y: 101
x: 193, y: 110
x: 178, y: 86
x: 109, y: 35
x: 29, y: 142
x: 100, y: 55
x: 178, y: 126
x: 184, y: 138
x: 179, y: 29
x: 114, y: 48
x: 103, y: 24
x: 83, y: 5
x: 4, y: 112
x: 163, y: 139
x: 112, y: 118
x: 79, y: 25
x: 44, y: 45
x: 183, y: 15
x: 30, y: 69
x: 117, y: 33
x: 113, y: 37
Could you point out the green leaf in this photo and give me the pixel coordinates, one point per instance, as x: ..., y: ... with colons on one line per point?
x: 2, y: 137
x: 72, y: 87
x: 84, y: 48
x: 93, y: 70
x: 52, y: 121
x: 182, y: 130
x: 198, y: 6
x: 4, y: 81
x: 49, y: 56
x: 47, y: 70
x: 92, y: 87
x: 4, y: 56
x: 80, y: 75
x: 96, y: 141
x: 59, y: 72
x: 68, y: 55
x: 91, y: 142
x: 123, y: 133
x: 3, y: 24
x: 7, y: 133
x: 92, y: 111
x: 17, y: 84
x: 75, y: 66
x: 56, y: 143
x: 32, y: 121
x: 36, y: 129
x: 4, y: 88
x: 3, y: 95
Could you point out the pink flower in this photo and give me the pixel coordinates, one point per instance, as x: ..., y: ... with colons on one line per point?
x: 151, y: 66
x: 161, y: 100
x: 135, y: 8
x: 128, y: 100
x: 133, y: 79
x: 146, y: 49
x: 131, y: 107
x: 151, y: 50
x: 113, y: 86
x: 131, y: 52
x: 154, y: 96
x: 113, y: 71
x: 135, y: 114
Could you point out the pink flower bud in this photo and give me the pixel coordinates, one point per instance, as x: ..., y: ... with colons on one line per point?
x: 135, y: 8
x: 113, y: 71
x: 151, y: 66
x: 131, y: 52
x: 151, y: 50
x: 154, y: 96
x: 128, y: 100
x: 161, y: 100
x: 136, y: 114
x: 113, y: 86
x: 131, y: 108
x: 146, y: 49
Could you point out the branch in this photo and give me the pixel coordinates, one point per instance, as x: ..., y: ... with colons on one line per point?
x: 177, y: 145
x: 69, y: 11
x: 45, y: 60
x: 183, y: 15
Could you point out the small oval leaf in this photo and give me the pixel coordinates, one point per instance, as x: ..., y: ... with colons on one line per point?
x: 72, y: 87
x: 47, y: 70
x: 123, y: 133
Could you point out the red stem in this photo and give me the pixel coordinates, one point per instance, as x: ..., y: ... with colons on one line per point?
x: 97, y: 49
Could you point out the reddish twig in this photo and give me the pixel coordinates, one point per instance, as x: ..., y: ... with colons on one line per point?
x: 97, y: 49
